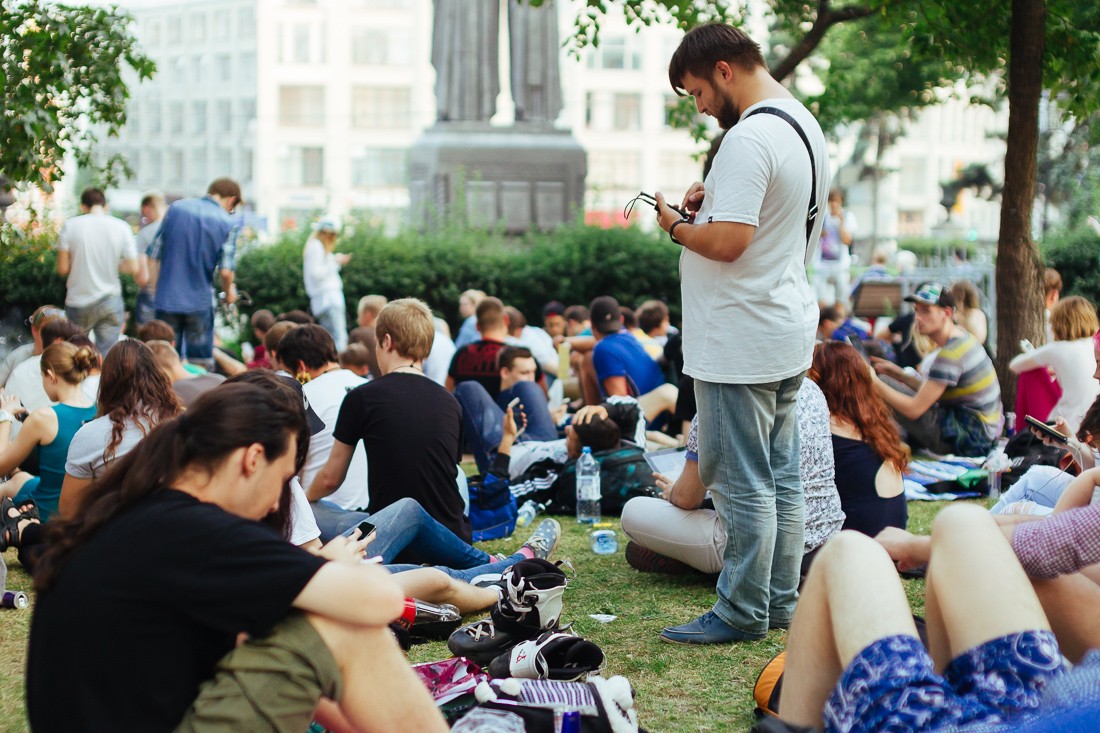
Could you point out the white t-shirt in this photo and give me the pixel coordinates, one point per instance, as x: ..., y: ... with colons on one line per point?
x: 754, y: 320
x: 86, y: 451
x: 1073, y: 363
x: 439, y: 359
x: 25, y: 382
x: 325, y: 395
x: 303, y: 525
x: 541, y: 345
x: 321, y: 273
x: 97, y: 243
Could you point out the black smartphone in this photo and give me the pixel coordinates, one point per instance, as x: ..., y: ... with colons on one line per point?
x: 1046, y: 430
x: 857, y: 342
x: 366, y: 529
x: 653, y: 201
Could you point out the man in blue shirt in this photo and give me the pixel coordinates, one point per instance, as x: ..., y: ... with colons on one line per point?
x: 197, y: 237
x: 621, y: 364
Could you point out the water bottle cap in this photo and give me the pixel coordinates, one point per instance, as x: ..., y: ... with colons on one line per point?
x: 587, y: 449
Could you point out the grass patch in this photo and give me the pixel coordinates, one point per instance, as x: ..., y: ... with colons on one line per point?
x: 678, y: 688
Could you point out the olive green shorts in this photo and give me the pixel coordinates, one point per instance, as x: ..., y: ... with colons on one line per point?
x: 269, y: 684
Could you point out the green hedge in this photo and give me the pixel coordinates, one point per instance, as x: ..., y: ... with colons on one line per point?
x: 1075, y: 254
x: 28, y: 273
x: 572, y: 264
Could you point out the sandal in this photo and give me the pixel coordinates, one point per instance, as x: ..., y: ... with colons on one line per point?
x: 28, y: 509
x: 9, y: 525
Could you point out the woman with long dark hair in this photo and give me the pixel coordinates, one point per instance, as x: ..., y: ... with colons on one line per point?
x: 867, y: 448
x: 134, y: 397
x: 46, y: 431
x: 164, y: 566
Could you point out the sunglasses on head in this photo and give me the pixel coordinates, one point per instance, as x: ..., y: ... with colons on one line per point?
x: 34, y: 320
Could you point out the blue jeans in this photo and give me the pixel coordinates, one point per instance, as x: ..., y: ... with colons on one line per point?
x: 404, y: 529
x: 144, y: 309
x: 103, y: 318
x: 483, y: 418
x: 194, y: 335
x: 749, y: 459
x: 335, y: 321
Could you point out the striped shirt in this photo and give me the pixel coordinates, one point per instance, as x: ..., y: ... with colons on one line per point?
x: 966, y: 369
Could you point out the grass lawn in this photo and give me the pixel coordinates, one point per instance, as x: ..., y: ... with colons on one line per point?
x: 678, y: 688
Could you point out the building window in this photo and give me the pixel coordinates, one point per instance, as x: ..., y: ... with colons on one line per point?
x: 175, y: 29
x: 175, y: 117
x: 152, y: 171
x: 220, y: 25
x: 198, y: 117
x: 175, y: 168
x: 381, y: 47
x: 152, y: 33
x: 152, y: 109
x: 381, y: 108
x: 198, y: 28
x: 302, y: 106
x: 615, y: 52
x: 247, y: 65
x: 614, y: 169
x: 178, y: 70
x: 300, y: 44
x: 910, y: 224
x: 223, y: 67
x: 198, y: 69
x: 380, y: 168
x: 248, y: 111
x: 628, y: 111
x: 246, y: 23
x: 246, y: 164
x: 223, y: 114
x: 198, y: 169
x: 133, y: 117
x: 303, y: 166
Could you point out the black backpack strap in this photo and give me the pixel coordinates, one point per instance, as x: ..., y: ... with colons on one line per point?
x: 811, y: 212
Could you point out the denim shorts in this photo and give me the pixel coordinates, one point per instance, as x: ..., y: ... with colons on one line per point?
x: 891, y: 685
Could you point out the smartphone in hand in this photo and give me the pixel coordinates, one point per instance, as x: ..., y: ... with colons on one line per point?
x: 1046, y: 430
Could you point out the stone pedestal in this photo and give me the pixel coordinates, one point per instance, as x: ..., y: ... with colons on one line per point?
x: 521, y: 177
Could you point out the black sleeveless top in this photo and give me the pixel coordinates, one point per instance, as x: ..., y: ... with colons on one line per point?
x: 865, y: 511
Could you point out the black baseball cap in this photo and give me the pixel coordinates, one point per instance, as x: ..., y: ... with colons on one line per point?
x: 605, y: 315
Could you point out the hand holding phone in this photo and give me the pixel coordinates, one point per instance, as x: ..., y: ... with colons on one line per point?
x: 1046, y: 430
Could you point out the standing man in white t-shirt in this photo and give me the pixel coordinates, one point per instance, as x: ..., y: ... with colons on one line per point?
x: 92, y: 250
x: 833, y: 262
x: 153, y: 208
x: 749, y: 322
x: 321, y: 270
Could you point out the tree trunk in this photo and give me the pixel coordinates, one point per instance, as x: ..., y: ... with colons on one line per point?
x: 1019, y: 268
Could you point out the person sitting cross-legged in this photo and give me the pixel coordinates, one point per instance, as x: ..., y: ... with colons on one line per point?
x: 410, y: 426
x: 619, y: 365
x: 957, y: 408
x: 208, y: 619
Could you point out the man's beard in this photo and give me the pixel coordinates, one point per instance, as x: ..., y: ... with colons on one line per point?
x: 728, y: 115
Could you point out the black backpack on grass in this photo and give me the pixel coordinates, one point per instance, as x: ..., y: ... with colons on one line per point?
x: 624, y: 474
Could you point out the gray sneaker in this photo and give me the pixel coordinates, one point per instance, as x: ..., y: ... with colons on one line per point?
x: 544, y: 539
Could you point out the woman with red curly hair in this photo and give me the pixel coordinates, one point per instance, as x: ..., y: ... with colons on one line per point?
x: 867, y: 447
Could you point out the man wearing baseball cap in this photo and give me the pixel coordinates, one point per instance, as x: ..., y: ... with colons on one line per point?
x: 956, y: 408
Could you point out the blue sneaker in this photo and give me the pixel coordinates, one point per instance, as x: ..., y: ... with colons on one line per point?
x: 707, y: 629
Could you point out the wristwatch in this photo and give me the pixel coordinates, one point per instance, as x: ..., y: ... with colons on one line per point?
x: 6, y: 416
x: 672, y: 231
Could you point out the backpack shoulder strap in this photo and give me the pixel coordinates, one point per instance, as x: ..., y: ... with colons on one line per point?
x: 811, y: 212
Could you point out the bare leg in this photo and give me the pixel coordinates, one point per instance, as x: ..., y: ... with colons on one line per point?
x: 434, y: 586
x: 851, y: 599
x: 1070, y: 603
x: 12, y: 486
x: 979, y: 592
x: 381, y: 692
x: 662, y: 399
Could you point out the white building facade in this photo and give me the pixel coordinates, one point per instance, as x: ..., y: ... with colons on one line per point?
x: 313, y: 105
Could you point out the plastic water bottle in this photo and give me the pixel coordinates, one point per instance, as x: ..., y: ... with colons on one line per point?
x: 528, y: 512
x: 588, y: 488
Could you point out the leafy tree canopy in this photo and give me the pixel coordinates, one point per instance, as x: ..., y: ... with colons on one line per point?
x: 61, y: 81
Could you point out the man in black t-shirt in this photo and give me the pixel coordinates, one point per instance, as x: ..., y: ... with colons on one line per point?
x: 479, y: 361
x: 410, y: 426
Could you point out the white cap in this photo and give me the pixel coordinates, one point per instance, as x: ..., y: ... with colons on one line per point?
x: 327, y: 224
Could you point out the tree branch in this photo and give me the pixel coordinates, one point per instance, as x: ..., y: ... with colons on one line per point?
x: 826, y: 18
